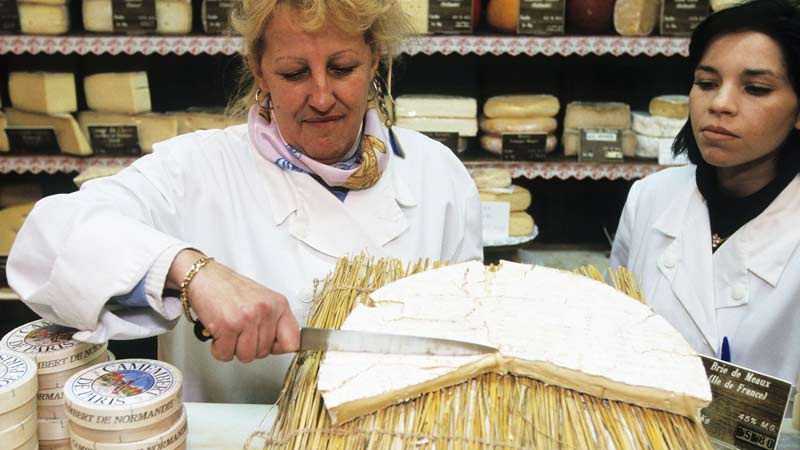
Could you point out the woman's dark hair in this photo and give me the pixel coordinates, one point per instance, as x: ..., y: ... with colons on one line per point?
x: 778, y: 19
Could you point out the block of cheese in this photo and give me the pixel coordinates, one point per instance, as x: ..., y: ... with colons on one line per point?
x: 3, y: 137
x: 463, y: 126
x: 571, y: 140
x: 636, y: 17
x: 520, y: 224
x: 18, y: 383
x: 494, y: 144
x: 11, y: 220
x: 95, y: 172
x: 118, y: 92
x: 38, y: 18
x: 521, y: 106
x: 503, y: 14
x: 655, y: 126
x: 717, y: 5
x: 597, y: 115
x: 172, y: 16
x: 551, y: 325
x: 189, y: 121
x: 435, y: 106
x: 68, y: 133
x: 519, y: 198
x: 19, y: 434
x: 417, y: 11
x: 648, y: 147
x: 500, y: 125
x: 670, y: 106
x: 491, y: 178
x: 43, y: 92
x: 152, y: 128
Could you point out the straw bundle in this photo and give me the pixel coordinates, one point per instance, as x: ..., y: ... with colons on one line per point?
x: 497, y: 412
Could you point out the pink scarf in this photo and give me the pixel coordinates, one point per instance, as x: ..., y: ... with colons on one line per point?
x: 269, y: 143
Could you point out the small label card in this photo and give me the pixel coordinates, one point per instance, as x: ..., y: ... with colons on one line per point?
x: 680, y: 17
x: 600, y: 145
x: 524, y: 146
x: 216, y: 15
x: 9, y: 16
x: 748, y: 407
x: 32, y: 140
x: 115, y: 140
x: 544, y: 17
x: 448, y: 138
x: 496, y: 217
x: 450, y: 16
x: 134, y: 16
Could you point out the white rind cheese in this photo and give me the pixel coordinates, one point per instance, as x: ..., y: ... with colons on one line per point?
x: 670, y: 106
x: 518, y: 125
x: 171, y: 439
x: 18, y: 382
x: 37, y: 18
x: 51, y: 346
x: 463, y: 126
x: 551, y: 325
x: 648, y: 147
x: 435, y: 106
x: 521, y: 105
x: 597, y: 115
x: 19, y: 434
x: 53, y: 429
x: 655, y: 126
x: 43, y: 92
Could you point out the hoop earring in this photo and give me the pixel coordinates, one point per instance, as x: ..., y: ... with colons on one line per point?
x: 265, y: 107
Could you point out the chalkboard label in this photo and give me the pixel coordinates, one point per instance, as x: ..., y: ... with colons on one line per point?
x: 9, y: 16
x: 134, y: 16
x: 545, y: 17
x: 449, y: 139
x: 450, y: 16
x: 33, y: 140
x: 216, y: 14
x: 680, y: 17
x: 524, y: 146
x: 600, y: 145
x: 115, y: 140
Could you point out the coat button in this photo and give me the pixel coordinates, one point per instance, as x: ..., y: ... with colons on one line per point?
x: 669, y: 261
x: 739, y: 293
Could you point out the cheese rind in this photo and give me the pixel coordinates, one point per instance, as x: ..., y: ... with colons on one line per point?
x: 463, y: 126
x: 502, y: 125
x: 51, y: 346
x: 435, y: 106
x: 68, y: 133
x: 36, y: 18
x: 519, y: 198
x: 655, y: 126
x: 636, y: 17
x: 491, y: 178
x: 520, y: 224
x: 648, y: 147
x: 597, y: 115
x: 571, y: 140
x: 43, y: 92
x: 670, y: 106
x: 494, y: 144
x: 172, y: 16
x: 118, y: 92
x: 151, y: 128
x: 417, y: 11
x: 521, y: 106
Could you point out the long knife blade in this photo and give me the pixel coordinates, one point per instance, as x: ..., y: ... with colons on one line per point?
x: 324, y: 339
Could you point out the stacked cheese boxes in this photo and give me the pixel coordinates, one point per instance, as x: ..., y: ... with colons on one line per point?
x: 656, y: 130
x: 123, y: 99
x: 518, y: 114
x: 43, y: 16
x: 494, y: 185
x: 602, y: 115
x: 42, y: 99
x: 129, y: 404
x: 439, y: 114
x: 172, y: 16
x: 18, y: 386
x: 57, y: 357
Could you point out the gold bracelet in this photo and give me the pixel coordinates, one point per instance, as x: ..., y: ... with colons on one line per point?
x: 188, y: 279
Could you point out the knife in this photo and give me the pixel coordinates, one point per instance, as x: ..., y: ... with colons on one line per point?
x: 326, y: 339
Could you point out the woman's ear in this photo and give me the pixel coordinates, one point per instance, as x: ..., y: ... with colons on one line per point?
x: 255, y: 69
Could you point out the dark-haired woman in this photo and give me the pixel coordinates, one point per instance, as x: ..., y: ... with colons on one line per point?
x: 715, y: 244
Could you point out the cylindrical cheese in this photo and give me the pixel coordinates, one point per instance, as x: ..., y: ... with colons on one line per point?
x: 521, y: 106
x: 636, y: 17
x: 435, y: 106
x: 494, y: 144
x: 519, y: 198
x: 58, y: 380
x: 597, y: 115
x: 491, y: 178
x: 171, y: 439
x: 129, y: 435
x: 51, y: 346
x: 671, y: 106
x: 518, y: 125
x: 53, y: 429
x: 123, y: 394
x: 17, y: 435
x: 571, y: 140
x: 10, y: 418
x: 520, y: 224
x: 503, y: 14
x: 18, y: 382
x: 654, y: 126
x: 37, y: 18
x: 648, y: 147
x: 172, y: 16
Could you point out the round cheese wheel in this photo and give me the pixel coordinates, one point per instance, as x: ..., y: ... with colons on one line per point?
x: 518, y: 125
x: 53, y: 429
x: 519, y: 198
x: 648, y: 147
x: 671, y: 106
x: 17, y: 435
x: 171, y: 439
x: 58, y: 380
x: 15, y: 416
x: 520, y: 224
x: 123, y: 394
x: 503, y: 14
x: 662, y: 127
x: 130, y: 435
x: 491, y: 178
x: 18, y: 382
x: 494, y: 144
x: 62, y: 444
x: 521, y: 106
x: 51, y: 346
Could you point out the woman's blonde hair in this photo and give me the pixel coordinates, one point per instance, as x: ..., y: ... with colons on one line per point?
x: 382, y: 22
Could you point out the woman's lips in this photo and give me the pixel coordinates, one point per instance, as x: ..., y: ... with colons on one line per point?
x: 323, y: 121
x: 715, y: 133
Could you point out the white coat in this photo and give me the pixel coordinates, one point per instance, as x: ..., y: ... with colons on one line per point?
x: 747, y: 291
x: 212, y: 191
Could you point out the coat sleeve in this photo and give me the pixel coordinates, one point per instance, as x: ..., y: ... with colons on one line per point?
x: 622, y: 239
x: 76, y: 251
x: 471, y: 245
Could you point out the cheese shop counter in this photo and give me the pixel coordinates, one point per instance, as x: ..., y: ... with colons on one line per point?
x: 222, y: 426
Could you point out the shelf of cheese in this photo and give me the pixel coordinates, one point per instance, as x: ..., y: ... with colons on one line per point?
x: 445, y: 44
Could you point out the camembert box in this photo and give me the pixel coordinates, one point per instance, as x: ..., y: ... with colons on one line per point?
x: 18, y: 383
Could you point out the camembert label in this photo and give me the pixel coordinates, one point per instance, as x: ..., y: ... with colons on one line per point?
x: 14, y: 370
x: 51, y: 346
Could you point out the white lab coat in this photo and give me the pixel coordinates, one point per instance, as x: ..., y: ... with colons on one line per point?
x: 211, y: 190
x: 748, y: 290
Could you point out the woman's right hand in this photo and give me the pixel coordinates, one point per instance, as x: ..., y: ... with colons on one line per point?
x: 245, y: 319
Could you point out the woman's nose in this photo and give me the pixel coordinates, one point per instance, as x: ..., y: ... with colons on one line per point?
x: 725, y: 100
x: 321, y: 98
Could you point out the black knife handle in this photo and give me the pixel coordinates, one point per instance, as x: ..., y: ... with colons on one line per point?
x: 200, y: 331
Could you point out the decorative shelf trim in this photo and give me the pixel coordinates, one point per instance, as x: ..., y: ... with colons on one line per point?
x: 567, y: 169
x: 56, y: 164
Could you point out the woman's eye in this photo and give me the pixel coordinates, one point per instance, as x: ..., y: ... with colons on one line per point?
x: 757, y: 90
x: 342, y: 71
x: 704, y: 84
x: 293, y: 76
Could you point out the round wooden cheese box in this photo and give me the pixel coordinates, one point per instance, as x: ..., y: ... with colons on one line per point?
x: 51, y: 346
x: 18, y: 386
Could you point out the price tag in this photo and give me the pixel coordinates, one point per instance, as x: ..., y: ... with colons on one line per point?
x: 680, y: 17
x: 216, y: 14
x: 449, y: 139
x: 524, y: 146
x: 134, y: 16
x: 600, y: 145
x: 747, y: 408
x: 115, y: 140
x: 541, y: 17
x: 495, y: 218
x: 33, y: 140
x: 450, y: 16
x: 9, y: 16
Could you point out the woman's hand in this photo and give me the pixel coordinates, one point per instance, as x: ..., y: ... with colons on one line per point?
x: 245, y: 318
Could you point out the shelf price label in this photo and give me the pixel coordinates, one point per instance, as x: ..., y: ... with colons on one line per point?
x: 215, y: 15
x: 545, y: 17
x: 747, y: 407
x: 9, y: 17
x: 449, y: 139
x: 115, y: 140
x: 600, y: 145
x: 680, y: 17
x: 134, y: 16
x: 524, y: 146
x: 450, y: 16
x: 32, y: 140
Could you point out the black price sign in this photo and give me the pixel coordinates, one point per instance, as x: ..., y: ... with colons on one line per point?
x: 9, y: 16
x: 524, y: 147
x: 541, y: 17
x: 747, y: 407
x: 33, y: 141
x: 449, y: 139
x: 680, y: 17
x: 600, y: 145
x: 115, y: 140
x: 134, y: 16
x: 450, y: 16
x: 216, y: 14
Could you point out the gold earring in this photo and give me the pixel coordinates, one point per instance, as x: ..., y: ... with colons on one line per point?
x: 377, y: 87
x: 265, y: 107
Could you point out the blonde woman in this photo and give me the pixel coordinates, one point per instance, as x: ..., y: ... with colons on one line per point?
x: 315, y: 175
